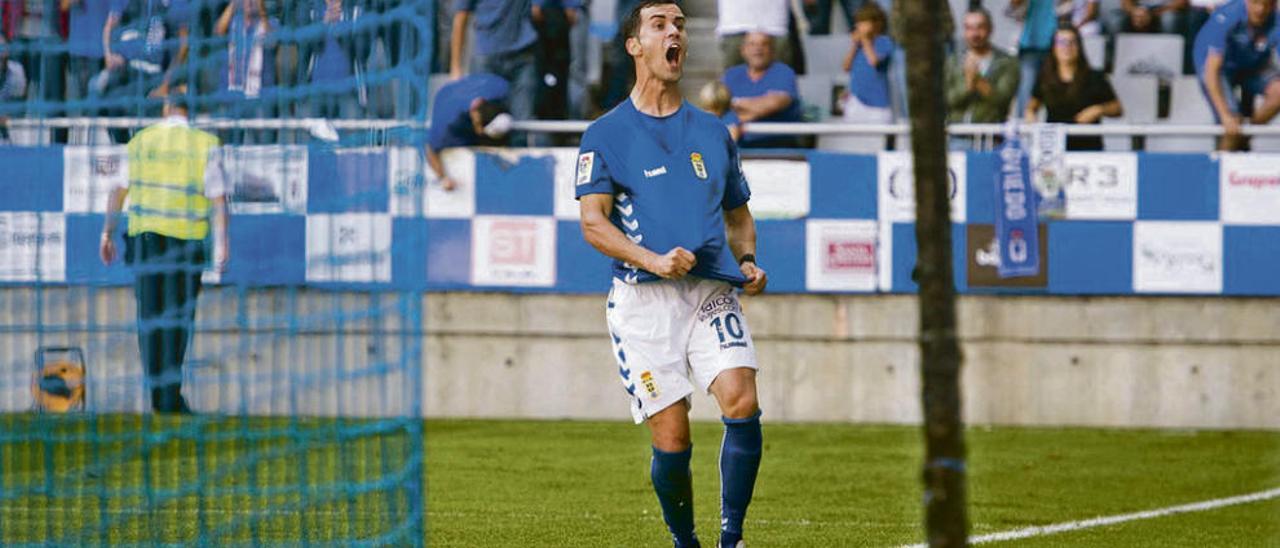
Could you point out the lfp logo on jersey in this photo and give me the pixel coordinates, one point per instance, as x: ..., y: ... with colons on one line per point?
x: 699, y: 168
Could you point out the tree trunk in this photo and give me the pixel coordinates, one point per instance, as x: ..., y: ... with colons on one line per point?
x: 946, y: 523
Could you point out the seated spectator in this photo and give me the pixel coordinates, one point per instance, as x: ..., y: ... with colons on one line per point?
x: 714, y: 97
x: 1168, y: 16
x: 868, y: 65
x: 763, y: 90
x: 738, y: 17
x: 1236, y: 49
x: 1071, y: 91
x: 466, y: 112
x: 980, y: 80
x: 13, y: 88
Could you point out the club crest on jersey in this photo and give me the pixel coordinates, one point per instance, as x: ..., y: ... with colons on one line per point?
x: 699, y: 168
x: 650, y: 386
x: 585, y: 161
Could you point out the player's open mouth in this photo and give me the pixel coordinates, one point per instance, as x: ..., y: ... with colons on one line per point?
x: 673, y: 54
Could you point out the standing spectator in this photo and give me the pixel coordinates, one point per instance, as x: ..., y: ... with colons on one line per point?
x: 466, y: 112
x: 1039, y: 19
x: 1237, y: 48
x: 738, y: 17
x: 818, y: 12
x: 554, y: 19
x: 330, y: 63
x: 763, y: 90
x: 175, y: 188
x: 1168, y: 16
x: 137, y: 55
x: 505, y: 45
x: 249, y: 68
x: 867, y: 62
x: 1071, y: 91
x: 86, y: 18
x: 981, y: 80
x: 38, y: 46
x: 13, y: 88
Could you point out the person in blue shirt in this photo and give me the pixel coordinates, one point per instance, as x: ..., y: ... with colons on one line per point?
x: 662, y: 193
x: 868, y: 65
x: 763, y: 90
x: 86, y: 18
x: 248, y: 67
x: 1039, y: 22
x: 1236, y: 48
x: 139, y: 52
x: 504, y: 45
x: 466, y: 112
x: 332, y: 61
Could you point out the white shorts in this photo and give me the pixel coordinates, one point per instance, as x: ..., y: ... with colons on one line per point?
x: 669, y: 335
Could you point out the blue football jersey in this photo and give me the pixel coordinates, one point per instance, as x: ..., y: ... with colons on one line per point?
x: 672, y: 178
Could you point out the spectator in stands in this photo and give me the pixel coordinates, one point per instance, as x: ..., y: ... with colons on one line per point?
x: 762, y: 90
x: 1071, y: 91
x: 33, y: 28
x: 738, y: 17
x: 250, y: 66
x: 1169, y: 16
x: 136, y: 55
x: 13, y: 88
x: 554, y: 19
x: 330, y: 62
x: 1039, y: 19
x: 84, y: 46
x: 620, y: 69
x: 505, y: 43
x: 818, y: 12
x: 980, y: 80
x: 867, y: 62
x: 466, y: 112
x: 714, y: 97
x: 1237, y: 48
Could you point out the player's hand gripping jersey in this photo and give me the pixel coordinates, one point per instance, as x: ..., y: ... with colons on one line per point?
x: 671, y: 178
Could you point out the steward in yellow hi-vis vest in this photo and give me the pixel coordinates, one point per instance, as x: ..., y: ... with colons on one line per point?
x: 176, y: 191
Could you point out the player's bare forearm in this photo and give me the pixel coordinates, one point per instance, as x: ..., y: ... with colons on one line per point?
x: 606, y: 238
x: 741, y: 229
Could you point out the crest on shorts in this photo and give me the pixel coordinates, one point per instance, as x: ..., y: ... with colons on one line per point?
x: 699, y: 168
x: 585, y: 162
x: 646, y: 379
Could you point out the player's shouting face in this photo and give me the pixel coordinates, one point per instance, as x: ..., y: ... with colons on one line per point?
x: 659, y: 44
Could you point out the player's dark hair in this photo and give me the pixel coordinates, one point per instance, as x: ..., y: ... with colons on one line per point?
x: 631, y: 25
x: 489, y: 110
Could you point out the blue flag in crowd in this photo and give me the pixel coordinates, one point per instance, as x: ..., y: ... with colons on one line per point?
x: 1017, y: 230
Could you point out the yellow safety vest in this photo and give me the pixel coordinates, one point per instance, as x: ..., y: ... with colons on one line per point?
x: 166, y: 181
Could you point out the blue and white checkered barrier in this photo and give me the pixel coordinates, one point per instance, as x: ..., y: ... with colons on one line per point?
x: 827, y: 222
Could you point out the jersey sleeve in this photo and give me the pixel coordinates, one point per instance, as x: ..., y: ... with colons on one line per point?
x: 884, y: 47
x: 736, y: 190
x: 215, y: 174
x: 592, y: 175
x: 1214, y: 33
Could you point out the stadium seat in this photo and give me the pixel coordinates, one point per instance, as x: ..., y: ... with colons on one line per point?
x: 1157, y: 55
x: 1187, y: 105
x: 815, y: 91
x: 825, y: 54
x: 1138, y: 95
x: 1095, y: 48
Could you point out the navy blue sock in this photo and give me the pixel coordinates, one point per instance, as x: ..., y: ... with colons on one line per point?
x: 739, y: 462
x: 673, y: 483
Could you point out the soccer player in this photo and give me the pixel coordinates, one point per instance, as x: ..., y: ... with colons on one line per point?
x: 660, y: 184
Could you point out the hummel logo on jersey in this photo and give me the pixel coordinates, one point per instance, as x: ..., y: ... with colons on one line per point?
x: 650, y: 173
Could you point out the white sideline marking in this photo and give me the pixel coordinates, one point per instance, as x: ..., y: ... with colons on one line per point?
x: 1041, y: 530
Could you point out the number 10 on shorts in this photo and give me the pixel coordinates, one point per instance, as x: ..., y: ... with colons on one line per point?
x: 729, y: 324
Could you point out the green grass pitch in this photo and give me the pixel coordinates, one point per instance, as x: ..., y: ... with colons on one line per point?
x: 558, y: 483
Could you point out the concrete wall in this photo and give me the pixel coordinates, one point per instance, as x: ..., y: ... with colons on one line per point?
x: 1160, y: 362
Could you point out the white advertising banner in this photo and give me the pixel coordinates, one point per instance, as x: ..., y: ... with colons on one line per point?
x: 566, y: 169
x: 840, y: 255
x: 896, y: 183
x: 349, y: 247
x: 779, y: 188
x: 1177, y: 257
x: 33, y: 246
x: 267, y: 178
x: 89, y: 174
x: 1250, y: 189
x: 459, y: 203
x: 1102, y: 186
x: 513, y: 251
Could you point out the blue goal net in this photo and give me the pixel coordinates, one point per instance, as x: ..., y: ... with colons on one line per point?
x: 173, y: 395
